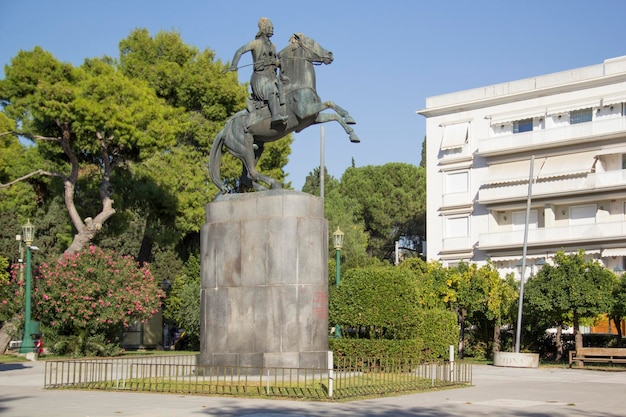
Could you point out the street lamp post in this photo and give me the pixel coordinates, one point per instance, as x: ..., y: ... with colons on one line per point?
x: 338, y: 239
x: 30, y: 327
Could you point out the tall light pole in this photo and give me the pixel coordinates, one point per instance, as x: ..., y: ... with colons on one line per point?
x: 338, y: 239
x: 28, y: 346
x: 518, y: 330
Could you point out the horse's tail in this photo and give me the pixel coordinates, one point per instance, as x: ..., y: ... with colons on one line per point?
x: 215, y: 159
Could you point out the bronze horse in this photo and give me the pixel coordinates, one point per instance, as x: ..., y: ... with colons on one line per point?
x: 245, y: 133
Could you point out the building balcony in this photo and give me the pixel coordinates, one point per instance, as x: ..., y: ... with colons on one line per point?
x: 600, y: 129
x: 456, y: 244
x: 596, y: 182
x: 555, y: 236
x: 456, y: 200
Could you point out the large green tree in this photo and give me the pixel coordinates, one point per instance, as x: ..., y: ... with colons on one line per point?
x: 547, y: 303
x: 390, y: 200
x: 87, y: 121
x: 573, y: 286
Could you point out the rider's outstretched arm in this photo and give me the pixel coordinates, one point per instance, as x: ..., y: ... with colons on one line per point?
x: 246, y: 48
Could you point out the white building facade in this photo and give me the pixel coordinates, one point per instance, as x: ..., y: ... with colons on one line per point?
x: 480, y: 144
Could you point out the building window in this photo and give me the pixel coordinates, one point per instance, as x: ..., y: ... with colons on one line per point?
x: 455, y: 136
x: 525, y: 125
x: 457, y: 182
x: 457, y: 227
x: 580, y: 116
x: 624, y: 161
x: 582, y: 214
x: 519, y: 220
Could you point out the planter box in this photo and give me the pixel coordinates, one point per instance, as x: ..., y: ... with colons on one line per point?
x: 516, y: 360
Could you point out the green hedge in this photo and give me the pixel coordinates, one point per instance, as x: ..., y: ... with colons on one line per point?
x: 382, y: 313
x: 438, y: 329
x: 412, y: 350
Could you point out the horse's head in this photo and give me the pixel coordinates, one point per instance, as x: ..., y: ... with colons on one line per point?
x: 312, y: 50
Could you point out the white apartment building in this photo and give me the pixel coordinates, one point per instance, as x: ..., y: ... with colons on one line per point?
x: 480, y: 144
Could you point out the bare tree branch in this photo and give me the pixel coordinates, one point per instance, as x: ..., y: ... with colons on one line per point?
x: 30, y: 135
x: 32, y: 174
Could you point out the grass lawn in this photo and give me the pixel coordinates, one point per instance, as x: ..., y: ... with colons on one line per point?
x: 12, y: 359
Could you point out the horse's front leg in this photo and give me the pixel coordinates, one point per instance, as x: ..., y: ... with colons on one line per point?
x: 341, y: 116
x: 342, y: 112
x: 312, y: 108
x: 330, y: 117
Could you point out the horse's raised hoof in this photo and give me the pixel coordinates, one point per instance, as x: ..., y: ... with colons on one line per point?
x: 349, y: 120
x: 354, y: 138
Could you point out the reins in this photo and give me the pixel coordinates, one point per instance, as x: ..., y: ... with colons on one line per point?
x: 304, y: 48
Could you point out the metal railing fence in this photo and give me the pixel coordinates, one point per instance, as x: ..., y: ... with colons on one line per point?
x: 181, y: 375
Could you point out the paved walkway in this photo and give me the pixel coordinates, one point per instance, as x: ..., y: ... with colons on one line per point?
x: 502, y: 392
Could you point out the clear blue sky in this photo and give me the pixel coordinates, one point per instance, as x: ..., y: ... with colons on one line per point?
x: 389, y: 56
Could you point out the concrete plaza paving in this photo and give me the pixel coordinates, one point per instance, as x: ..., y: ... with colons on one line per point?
x: 496, y: 391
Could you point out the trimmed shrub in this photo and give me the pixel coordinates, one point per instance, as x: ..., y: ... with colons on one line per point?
x: 381, y: 314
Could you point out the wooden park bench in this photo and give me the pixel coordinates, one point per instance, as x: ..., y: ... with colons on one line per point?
x: 594, y: 354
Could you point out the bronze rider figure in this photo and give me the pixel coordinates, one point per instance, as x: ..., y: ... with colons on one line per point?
x: 265, y: 83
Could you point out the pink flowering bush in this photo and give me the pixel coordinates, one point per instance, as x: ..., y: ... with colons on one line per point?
x: 95, y: 292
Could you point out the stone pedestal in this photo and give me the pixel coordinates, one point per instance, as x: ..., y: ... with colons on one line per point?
x: 516, y: 360
x: 264, y: 288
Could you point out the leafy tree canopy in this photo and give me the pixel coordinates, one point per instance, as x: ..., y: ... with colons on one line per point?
x: 88, y: 121
x: 390, y: 201
x: 575, y: 286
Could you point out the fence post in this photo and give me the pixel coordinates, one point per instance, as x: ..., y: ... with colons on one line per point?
x: 331, y: 374
x: 433, y: 370
x: 451, y: 363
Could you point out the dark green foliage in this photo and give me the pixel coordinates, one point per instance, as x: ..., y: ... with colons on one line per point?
x: 390, y: 200
x: 412, y: 349
x: 182, y: 305
x: 545, y: 297
x: 438, y: 329
x: 571, y: 290
x: 9, y: 286
x: 423, y: 158
x: 381, y: 304
x: 83, y: 344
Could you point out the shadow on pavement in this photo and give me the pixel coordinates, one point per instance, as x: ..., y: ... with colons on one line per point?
x: 13, y: 366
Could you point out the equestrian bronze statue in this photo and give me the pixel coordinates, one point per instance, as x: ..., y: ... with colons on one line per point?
x: 245, y: 133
